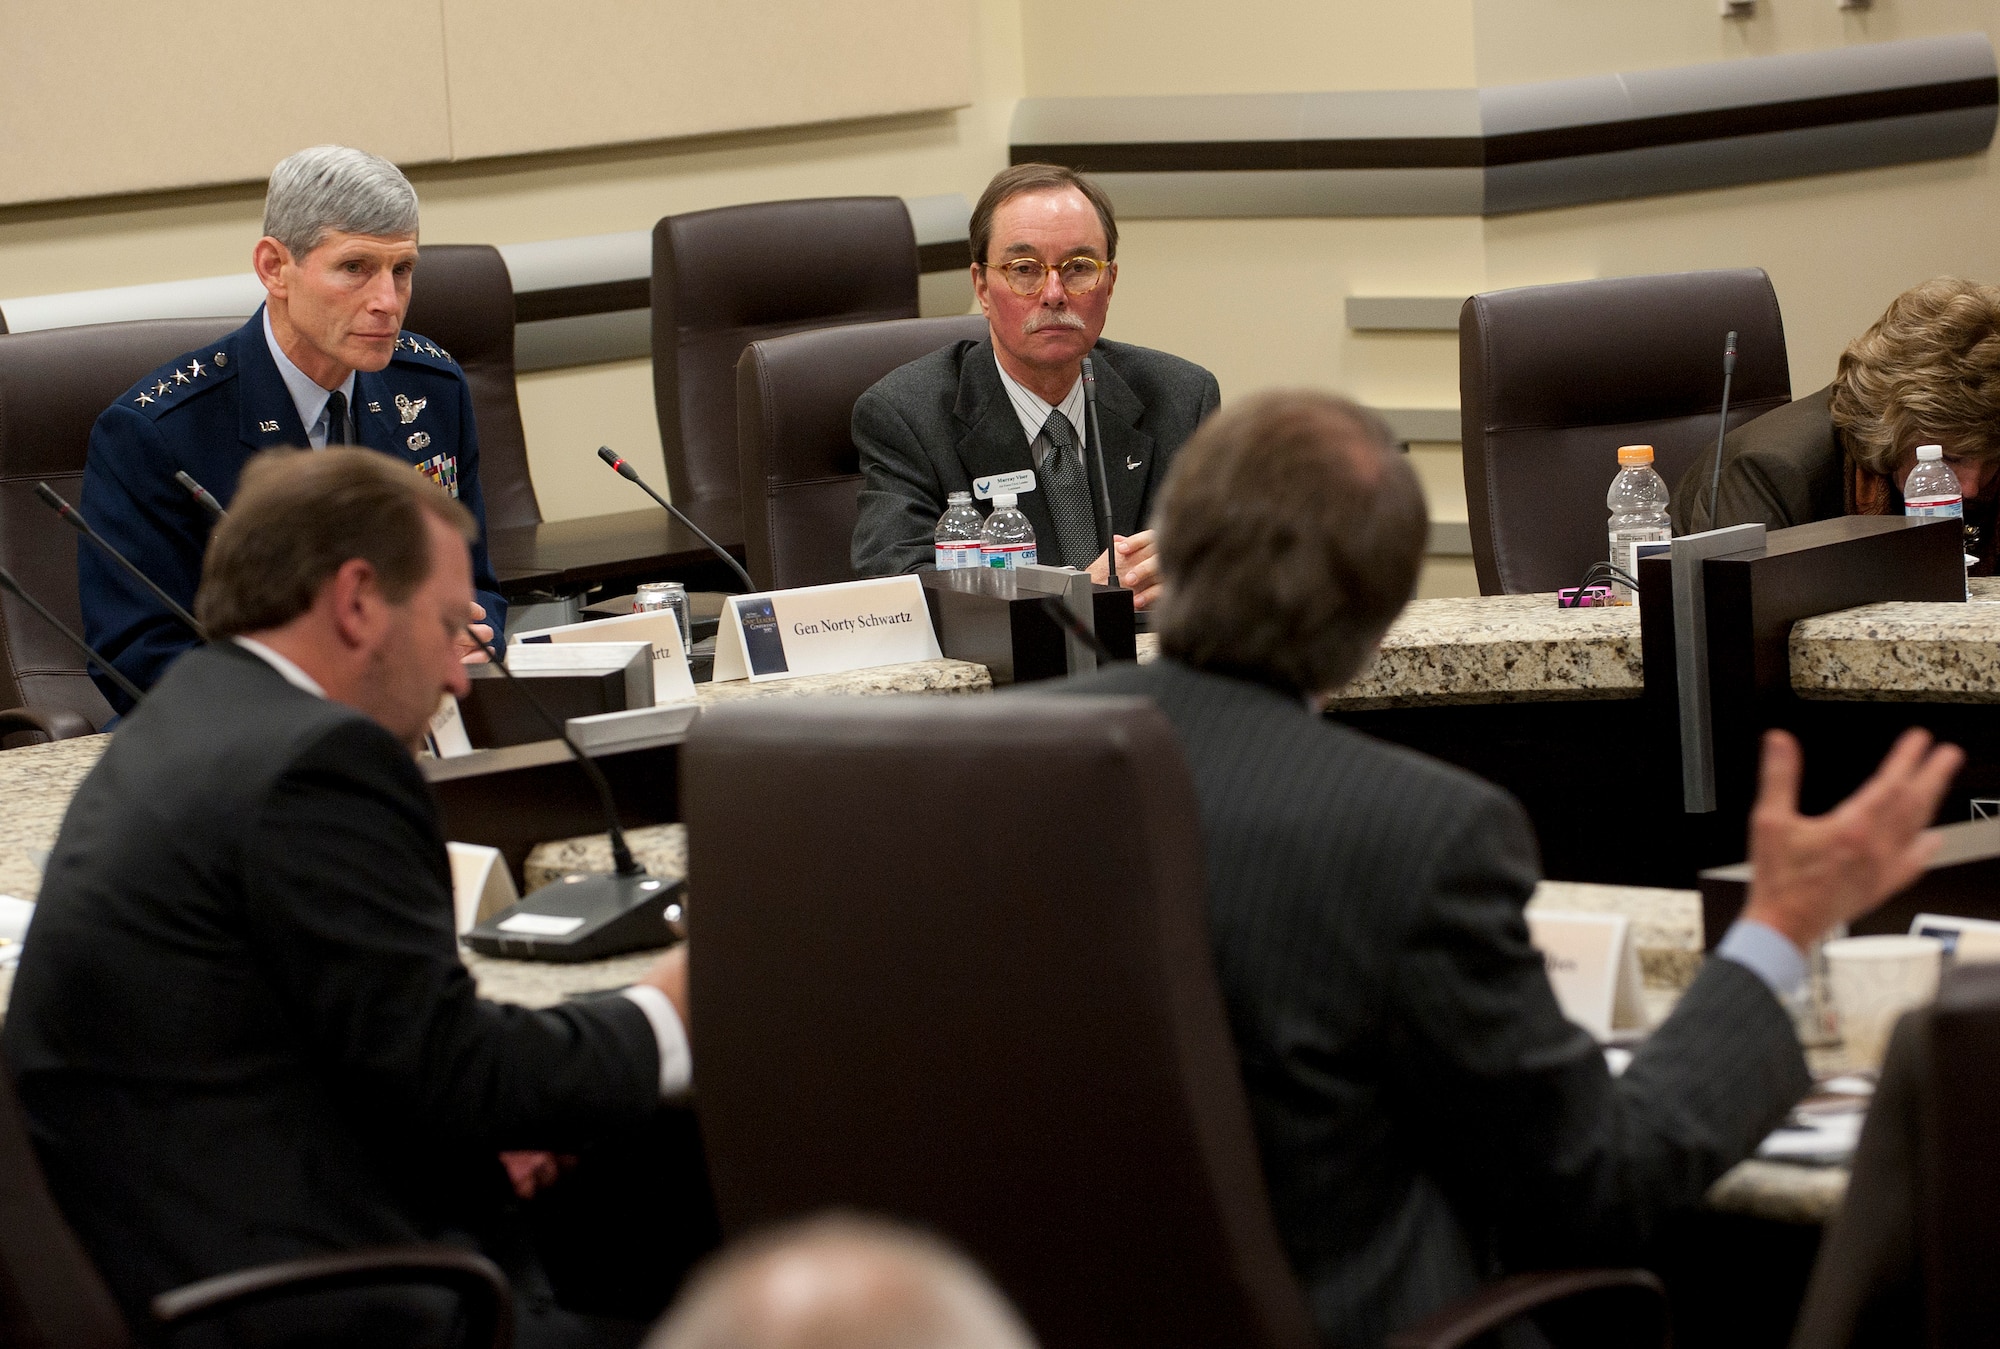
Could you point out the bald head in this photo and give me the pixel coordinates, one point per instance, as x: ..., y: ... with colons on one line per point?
x: 841, y: 1283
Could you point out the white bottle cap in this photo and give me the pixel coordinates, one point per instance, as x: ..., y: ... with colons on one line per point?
x: 1004, y: 500
x: 1929, y: 454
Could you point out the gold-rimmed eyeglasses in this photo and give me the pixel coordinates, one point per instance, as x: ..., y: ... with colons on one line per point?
x: 1026, y: 276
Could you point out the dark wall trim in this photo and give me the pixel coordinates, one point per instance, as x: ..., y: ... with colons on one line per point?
x: 1758, y: 119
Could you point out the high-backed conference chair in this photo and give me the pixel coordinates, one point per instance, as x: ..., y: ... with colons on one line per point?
x: 1910, y: 1258
x: 801, y: 474
x: 51, y: 1293
x: 463, y: 300
x: 1024, y: 1049
x: 725, y: 278
x: 1553, y: 379
x: 53, y: 385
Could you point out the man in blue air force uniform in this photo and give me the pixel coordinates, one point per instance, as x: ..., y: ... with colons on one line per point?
x: 324, y: 361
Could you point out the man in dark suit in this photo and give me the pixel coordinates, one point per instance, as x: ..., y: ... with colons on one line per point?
x: 324, y: 361
x: 1044, y: 250
x: 1426, y: 1116
x: 240, y: 1029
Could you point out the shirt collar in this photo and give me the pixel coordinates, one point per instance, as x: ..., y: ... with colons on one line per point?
x: 294, y: 676
x: 1033, y: 410
x: 307, y: 396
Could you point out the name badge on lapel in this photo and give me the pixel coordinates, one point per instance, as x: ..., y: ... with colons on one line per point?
x: 441, y: 469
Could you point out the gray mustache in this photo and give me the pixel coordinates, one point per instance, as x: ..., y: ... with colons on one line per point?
x: 1051, y: 318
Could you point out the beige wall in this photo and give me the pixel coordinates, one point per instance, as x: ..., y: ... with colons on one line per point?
x: 1258, y: 301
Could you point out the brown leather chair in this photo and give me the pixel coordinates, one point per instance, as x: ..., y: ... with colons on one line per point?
x: 1910, y: 1259
x: 725, y: 278
x: 53, y: 385
x: 1024, y: 1048
x: 801, y: 474
x: 1553, y: 379
x: 463, y: 300
x: 52, y: 1295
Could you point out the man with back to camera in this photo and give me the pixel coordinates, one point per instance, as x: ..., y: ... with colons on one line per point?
x: 1044, y: 262
x: 1426, y: 1117
x: 324, y: 361
x: 240, y: 1029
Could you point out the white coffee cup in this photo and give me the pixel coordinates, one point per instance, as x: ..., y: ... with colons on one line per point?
x: 1875, y: 980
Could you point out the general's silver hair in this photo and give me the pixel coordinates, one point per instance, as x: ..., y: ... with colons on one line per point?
x: 332, y: 187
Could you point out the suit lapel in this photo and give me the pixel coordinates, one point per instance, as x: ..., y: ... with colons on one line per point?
x: 991, y: 439
x: 266, y: 416
x: 1128, y: 451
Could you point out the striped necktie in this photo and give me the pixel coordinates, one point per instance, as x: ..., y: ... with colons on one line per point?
x: 1067, y: 491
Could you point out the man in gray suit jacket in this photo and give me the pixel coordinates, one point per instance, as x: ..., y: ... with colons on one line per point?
x: 1044, y: 244
x: 1426, y: 1117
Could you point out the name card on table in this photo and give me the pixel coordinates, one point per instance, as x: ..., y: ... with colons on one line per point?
x: 1594, y: 969
x: 481, y: 885
x: 672, y: 681
x: 824, y: 630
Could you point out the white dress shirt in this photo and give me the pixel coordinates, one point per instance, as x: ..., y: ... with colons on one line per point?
x: 1034, y: 410
x: 307, y: 396
x: 676, y: 1060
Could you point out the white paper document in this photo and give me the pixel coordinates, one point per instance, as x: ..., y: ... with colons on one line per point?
x: 1593, y: 967
x: 824, y: 630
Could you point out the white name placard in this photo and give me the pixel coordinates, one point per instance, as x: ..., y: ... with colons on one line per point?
x: 448, y: 739
x: 824, y: 630
x: 672, y: 681
x: 481, y: 885
x: 1968, y: 941
x: 1022, y: 480
x: 1593, y: 967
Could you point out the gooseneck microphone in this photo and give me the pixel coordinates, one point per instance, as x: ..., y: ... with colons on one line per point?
x: 1722, y: 428
x: 8, y: 582
x: 584, y: 916
x: 201, y: 494
x: 626, y: 471
x: 1103, y: 483
x: 75, y: 521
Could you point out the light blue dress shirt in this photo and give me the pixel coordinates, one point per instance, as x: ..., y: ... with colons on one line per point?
x: 307, y: 396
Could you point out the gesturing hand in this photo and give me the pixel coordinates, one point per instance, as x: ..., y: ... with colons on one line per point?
x: 1808, y: 873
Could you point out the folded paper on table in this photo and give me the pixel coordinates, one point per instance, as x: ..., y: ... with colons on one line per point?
x: 828, y: 629
x: 1594, y: 968
x: 481, y: 885
x: 672, y: 681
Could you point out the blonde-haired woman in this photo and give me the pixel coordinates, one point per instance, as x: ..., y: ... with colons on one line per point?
x: 1927, y: 373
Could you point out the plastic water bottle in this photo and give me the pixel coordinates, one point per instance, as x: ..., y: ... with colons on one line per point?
x: 1932, y: 490
x: 1008, y: 541
x: 958, y: 531
x: 1638, y: 505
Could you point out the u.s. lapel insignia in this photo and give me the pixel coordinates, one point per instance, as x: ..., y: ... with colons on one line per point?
x: 374, y: 407
x: 418, y: 441
x: 267, y: 426
x: 407, y: 410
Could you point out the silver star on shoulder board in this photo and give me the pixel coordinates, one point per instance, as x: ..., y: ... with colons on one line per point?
x: 196, y: 368
x: 162, y: 387
x: 143, y: 398
x: 181, y: 377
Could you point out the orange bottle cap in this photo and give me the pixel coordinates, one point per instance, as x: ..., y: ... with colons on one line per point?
x: 1631, y: 455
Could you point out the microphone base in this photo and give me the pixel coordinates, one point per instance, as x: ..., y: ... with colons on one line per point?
x: 586, y: 916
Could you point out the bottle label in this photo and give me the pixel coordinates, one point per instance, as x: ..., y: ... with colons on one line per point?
x: 1952, y: 506
x: 1006, y: 556
x: 957, y: 556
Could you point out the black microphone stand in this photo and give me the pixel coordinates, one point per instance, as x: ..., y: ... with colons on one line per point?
x: 1722, y: 429
x: 1101, y: 480
x: 75, y: 520
x: 630, y: 474
x: 131, y: 690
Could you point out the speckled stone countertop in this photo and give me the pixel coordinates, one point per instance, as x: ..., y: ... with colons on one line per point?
x: 922, y: 676
x: 1933, y: 653
x: 1494, y: 649
x: 36, y: 783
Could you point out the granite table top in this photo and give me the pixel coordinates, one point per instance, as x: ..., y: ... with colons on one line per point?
x: 1903, y: 652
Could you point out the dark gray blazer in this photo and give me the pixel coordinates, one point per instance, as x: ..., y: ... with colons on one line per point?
x: 1427, y: 1118
x: 241, y: 1031
x: 928, y: 429
x: 1781, y: 469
